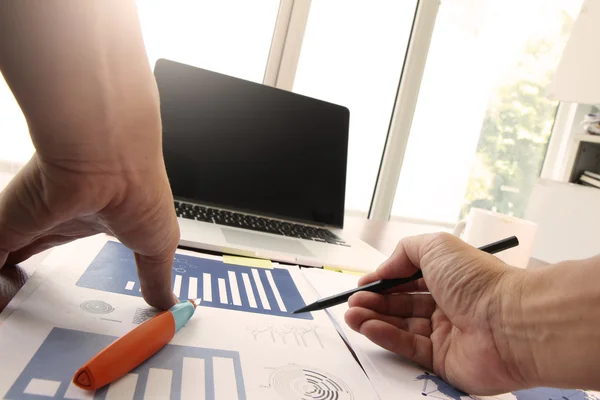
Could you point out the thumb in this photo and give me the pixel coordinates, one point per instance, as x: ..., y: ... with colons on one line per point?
x: 23, y: 214
x: 428, y: 252
x: 403, y: 262
x: 447, y: 263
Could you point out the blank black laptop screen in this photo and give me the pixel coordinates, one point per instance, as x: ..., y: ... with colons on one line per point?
x: 246, y: 146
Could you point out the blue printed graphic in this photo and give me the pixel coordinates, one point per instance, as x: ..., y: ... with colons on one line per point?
x: 440, y: 389
x: 436, y: 387
x: 219, y: 285
x: 553, y: 394
x: 64, y: 351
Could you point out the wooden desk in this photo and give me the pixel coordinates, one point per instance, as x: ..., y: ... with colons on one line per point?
x: 383, y: 236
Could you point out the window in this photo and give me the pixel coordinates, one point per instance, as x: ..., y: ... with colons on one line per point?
x: 483, y: 121
x: 232, y: 37
x: 15, y: 143
x: 352, y: 55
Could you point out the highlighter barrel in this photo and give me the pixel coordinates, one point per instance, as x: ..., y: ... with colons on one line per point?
x: 131, y: 350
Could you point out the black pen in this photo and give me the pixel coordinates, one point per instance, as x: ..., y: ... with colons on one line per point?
x: 385, y: 284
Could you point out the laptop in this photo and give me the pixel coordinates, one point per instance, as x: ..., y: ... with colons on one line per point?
x: 257, y: 171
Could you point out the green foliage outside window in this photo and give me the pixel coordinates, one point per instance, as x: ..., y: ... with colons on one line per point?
x: 515, y: 132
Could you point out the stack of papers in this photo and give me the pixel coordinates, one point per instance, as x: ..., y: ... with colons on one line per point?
x: 243, y: 342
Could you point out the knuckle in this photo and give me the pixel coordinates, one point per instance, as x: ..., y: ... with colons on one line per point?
x: 441, y: 239
x: 413, y: 347
x: 438, y: 243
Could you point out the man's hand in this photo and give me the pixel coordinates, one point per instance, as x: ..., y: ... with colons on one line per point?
x: 46, y: 205
x: 455, y: 330
x: 80, y: 74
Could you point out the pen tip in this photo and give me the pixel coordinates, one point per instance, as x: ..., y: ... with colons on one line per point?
x: 302, y: 310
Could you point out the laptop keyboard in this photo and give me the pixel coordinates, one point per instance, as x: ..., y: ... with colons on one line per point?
x: 259, y: 224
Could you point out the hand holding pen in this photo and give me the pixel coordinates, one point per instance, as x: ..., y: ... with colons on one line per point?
x: 450, y: 321
x: 382, y: 285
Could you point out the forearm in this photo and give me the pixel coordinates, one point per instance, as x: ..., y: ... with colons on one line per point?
x: 554, y: 327
x: 81, y: 76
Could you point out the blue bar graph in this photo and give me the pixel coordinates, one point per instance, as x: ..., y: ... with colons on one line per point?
x: 219, y: 285
x: 176, y: 371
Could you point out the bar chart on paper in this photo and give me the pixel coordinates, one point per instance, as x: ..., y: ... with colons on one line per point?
x: 219, y: 285
x: 176, y: 372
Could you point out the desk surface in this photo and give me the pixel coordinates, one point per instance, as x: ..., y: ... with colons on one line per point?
x: 383, y: 236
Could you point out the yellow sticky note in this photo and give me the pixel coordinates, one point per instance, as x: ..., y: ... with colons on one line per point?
x: 248, y: 262
x: 343, y: 271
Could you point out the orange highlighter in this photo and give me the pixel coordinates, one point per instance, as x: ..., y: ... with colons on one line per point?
x: 129, y: 351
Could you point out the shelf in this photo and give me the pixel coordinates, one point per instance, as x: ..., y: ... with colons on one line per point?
x: 586, y: 156
x: 584, y: 137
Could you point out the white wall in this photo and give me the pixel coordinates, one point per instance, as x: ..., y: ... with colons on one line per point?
x: 568, y: 218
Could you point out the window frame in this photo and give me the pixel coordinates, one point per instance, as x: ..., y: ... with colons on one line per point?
x: 280, y: 70
x: 286, y: 43
x: 283, y: 62
x: 404, y: 108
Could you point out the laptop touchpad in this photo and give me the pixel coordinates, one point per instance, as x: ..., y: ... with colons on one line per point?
x: 282, y: 245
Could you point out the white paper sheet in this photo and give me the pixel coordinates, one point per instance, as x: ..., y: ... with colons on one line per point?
x: 395, y: 377
x: 38, y: 266
x: 226, y: 351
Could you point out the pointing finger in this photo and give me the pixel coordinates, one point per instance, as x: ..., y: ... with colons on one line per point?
x: 398, y: 305
x: 155, y: 279
x: 151, y: 231
x: 416, y: 348
x: 355, y: 316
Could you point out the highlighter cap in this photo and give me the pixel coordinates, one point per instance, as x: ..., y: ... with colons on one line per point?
x: 183, y: 311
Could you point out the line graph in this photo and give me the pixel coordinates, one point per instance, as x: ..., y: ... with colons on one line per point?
x: 304, y: 335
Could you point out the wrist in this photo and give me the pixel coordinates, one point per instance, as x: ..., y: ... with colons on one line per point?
x: 96, y: 105
x: 512, y: 328
x: 131, y: 146
x: 509, y: 329
x: 548, y: 325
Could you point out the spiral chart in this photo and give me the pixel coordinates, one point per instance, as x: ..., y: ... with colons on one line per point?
x: 300, y: 383
x: 96, y: 307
